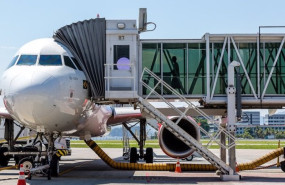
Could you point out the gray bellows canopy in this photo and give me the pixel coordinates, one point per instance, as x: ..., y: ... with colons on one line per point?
x: 86, y: 40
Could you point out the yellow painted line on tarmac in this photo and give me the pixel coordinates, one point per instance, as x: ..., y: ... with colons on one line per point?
x: 69, y: 170
x: 7, y: 168
x: 19, y: 139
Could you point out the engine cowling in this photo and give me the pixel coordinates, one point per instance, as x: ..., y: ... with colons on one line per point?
x: 174, y: 147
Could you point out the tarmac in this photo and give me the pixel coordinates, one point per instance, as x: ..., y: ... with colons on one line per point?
x: 84, y: 167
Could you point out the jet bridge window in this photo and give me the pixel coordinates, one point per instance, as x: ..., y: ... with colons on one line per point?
x: 50, y: 60
x: 121, y: 57
x: 14, y: 60
x: 27, y: 60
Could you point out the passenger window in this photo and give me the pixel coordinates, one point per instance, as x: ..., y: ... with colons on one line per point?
x: 50, y: 60
x: 27, y: 60
x: 68, y: 62
x: 77, y: 64
x: 14, y: 60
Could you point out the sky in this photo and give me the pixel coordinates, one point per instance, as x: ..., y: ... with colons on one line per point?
x: 22, y: 21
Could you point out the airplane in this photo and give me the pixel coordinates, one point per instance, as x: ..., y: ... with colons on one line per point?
x: 45, y: 89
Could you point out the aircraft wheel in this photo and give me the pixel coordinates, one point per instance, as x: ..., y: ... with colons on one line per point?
x: 189, y: 158
x: 126, y: 156
x: 282, y: 164
x: 54, y: 166
x: 4, y: 160
x: 28, y: 164
x: 149, y: 155
x: 133, y: 155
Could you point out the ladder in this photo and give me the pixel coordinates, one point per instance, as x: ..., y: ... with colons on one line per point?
x: 161, y: 84
x: 175, y: 129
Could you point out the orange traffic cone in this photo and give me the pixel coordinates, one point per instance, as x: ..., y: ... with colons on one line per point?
x: 22, y: 179
x: 178, y: 168
x: 237, y: 169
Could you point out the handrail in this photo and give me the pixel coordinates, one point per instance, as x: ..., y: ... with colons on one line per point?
x: 108, y: 76
x: 190, y: 105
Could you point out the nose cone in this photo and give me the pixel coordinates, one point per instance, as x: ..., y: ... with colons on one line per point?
x: 31, y: 96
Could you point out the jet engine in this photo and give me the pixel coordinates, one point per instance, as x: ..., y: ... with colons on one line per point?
x: 174, y: 147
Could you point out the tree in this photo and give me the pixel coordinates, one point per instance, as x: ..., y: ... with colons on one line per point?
x: 259, y: 132
x: 268, y: 131
x: 203, y: 123
x: 280, y: 135
x: 247, y: 134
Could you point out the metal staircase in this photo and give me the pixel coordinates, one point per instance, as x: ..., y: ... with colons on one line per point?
x: 175, y: 129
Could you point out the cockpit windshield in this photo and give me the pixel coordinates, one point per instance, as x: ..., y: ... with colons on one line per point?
x: 14, y: 60
x: 50, y: 60
x: 27, y: 60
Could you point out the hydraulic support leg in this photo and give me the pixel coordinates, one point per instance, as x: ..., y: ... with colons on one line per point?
x: 223, y: 151
x: 142, y: 137
x: 231, y: 111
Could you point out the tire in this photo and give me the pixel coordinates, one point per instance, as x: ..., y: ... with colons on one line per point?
x: 54, y: 166
x: 4, y: 160
x: 282, y: 165
x: 126, y: 156
x: 28, y: 164
x: 189, y: 158
x: 133, y: 155
x: 149, y: 155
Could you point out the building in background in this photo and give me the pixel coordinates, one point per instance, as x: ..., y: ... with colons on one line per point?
x: 276, y: 119
x: 250, y: 118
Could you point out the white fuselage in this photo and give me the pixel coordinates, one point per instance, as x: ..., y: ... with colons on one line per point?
x: 51, y: 97
x: 48, y: 96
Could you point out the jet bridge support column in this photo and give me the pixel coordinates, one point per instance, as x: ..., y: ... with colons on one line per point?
x: 231, y: 111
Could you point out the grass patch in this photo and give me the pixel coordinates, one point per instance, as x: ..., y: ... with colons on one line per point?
x: 244, y: 144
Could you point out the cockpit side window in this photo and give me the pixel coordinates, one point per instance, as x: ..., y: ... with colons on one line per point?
x: 77, y: 64
x: 50, y: 60
x: 68, y: 62
x: 14, y: 60
x: 27, y: 60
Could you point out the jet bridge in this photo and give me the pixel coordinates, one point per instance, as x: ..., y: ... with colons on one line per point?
x: 113, y: 57
x: 121, y: 68
x: 203, y: 67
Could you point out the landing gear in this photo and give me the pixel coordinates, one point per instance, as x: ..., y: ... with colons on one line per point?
x: 53, y: 159
x: 134, y: 154
x: 28, y: 164
x: 54, y: 166
x: 148, y: 155
x: 33, y: 156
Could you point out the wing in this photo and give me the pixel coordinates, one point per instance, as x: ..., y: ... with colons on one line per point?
x: 123, y: 114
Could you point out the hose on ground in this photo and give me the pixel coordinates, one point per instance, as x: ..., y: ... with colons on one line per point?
x: 262, y: 160
x: 146, y: 166
x: 184, y: 167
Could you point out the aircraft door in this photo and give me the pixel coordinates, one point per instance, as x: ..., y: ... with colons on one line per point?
x: 122, y: 69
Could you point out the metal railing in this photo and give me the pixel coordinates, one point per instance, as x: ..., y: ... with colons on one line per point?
x: 183, y: 114
x: 109, y: 76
